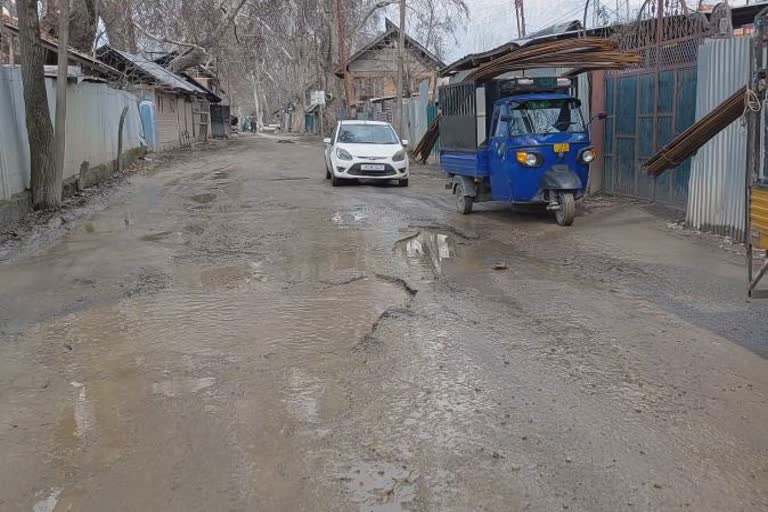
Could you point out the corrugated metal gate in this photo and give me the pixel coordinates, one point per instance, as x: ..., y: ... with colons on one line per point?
x: 645, y: 111
x: 650, y: 105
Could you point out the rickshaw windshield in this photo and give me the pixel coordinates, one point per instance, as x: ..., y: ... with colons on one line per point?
x: 538, y: 117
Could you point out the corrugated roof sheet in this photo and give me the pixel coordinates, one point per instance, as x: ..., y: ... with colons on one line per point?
x: 162, y: 75
x: 52, y: 44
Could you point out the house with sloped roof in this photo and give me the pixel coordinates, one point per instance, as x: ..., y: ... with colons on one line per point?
x: 373, y: 68
x: 174, y: 108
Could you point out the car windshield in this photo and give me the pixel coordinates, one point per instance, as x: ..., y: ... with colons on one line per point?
x: 538, y: 117
x: 367, y: 134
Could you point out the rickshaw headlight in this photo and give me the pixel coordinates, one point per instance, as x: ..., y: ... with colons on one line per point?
x: 588, y: 156
x: 529, y: 159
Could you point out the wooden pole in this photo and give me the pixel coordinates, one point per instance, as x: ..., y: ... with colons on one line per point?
x: 120, y: 139
x: 62, y: 76
x: 343, y: 54
x: 400, y: 69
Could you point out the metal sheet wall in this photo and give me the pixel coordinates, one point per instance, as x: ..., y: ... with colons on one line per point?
x: 716, y: 191
x: 93, y: 115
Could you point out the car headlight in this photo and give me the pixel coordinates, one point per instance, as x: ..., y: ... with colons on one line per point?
x: 342, y: 154
x: 529, y: 159
x: 399, y: 156
x: 588, y: 155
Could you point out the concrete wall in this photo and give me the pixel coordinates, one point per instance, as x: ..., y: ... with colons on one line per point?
x: 93, y: 115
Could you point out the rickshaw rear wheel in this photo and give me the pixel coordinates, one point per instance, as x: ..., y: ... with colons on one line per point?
x: 463, y: 203
x: 567, y: 208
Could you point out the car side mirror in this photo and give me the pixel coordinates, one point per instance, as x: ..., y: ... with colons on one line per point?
x: 327, y: 141
x: 404, y: 142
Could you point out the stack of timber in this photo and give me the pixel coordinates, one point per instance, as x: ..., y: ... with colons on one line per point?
x: 427, y: 142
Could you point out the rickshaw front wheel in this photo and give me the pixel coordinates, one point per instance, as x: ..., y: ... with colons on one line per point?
x: 567, y: 208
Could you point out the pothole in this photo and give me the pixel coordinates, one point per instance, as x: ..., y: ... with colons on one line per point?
x: 156, y: 237
x: 350, y: 217
x: 204, y: 198
x: 380, y: 486
x: 426, y: 247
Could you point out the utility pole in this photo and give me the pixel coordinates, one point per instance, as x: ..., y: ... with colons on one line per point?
x: 400, y: 69
x: 520, y: 15
x: 343, y: 53
x: 62, y: 75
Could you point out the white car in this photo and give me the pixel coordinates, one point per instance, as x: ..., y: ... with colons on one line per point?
x: 365, y: 150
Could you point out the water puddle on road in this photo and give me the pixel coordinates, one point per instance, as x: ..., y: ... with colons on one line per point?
x: 428, y: 247
x: 203, y: 198
x: 380, y: 486
x: 350, y: 217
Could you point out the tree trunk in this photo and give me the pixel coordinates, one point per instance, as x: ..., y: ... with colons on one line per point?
x: 82, y: 23
x: 118, y: 21
x: 187, y: 60
x: 259, y: 108
x: 46, y: 192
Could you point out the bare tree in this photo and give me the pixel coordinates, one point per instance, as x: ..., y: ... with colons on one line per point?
x: 46, y: 189
x: 117, y: 16
x: 83, y: 22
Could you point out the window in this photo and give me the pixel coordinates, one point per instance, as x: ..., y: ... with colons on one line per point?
x: 502, y: 128
x: 547, y: 116
x: 494, y: 122
x: 366, y: 134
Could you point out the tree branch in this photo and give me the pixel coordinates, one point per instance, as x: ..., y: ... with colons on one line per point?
x: 160, y: 39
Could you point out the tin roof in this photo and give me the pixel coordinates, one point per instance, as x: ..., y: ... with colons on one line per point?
x: 163, y: 76
x: 52, y: 44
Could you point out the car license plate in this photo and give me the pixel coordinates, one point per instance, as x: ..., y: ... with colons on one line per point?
x: 372, y: 167
x: 562, y: 148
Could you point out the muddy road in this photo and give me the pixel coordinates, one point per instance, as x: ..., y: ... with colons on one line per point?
x: 230, y: 332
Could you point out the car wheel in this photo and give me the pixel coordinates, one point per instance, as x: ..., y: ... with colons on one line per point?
x: 403, y: 183
x: 327, y: 173
x: 335, y: 182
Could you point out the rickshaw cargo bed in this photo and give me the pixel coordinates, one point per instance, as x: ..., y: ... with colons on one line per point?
x: 465, y: 163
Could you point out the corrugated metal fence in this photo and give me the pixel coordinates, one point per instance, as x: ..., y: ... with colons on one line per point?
x: 717, y: 189
x: 416, y: 108
x: 93, y: 116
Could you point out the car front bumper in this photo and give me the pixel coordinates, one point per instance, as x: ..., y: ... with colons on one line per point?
x: 354, y: 169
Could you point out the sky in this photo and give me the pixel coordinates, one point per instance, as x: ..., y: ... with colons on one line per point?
x: 492, y: 22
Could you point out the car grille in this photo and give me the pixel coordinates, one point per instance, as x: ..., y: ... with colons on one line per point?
x: 356, y: 170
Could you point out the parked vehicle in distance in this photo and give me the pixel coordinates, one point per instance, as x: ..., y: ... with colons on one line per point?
x: 367, y: 150
x: 532, y: 146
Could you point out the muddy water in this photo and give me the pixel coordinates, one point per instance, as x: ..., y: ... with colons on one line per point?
x: 230, y: 335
